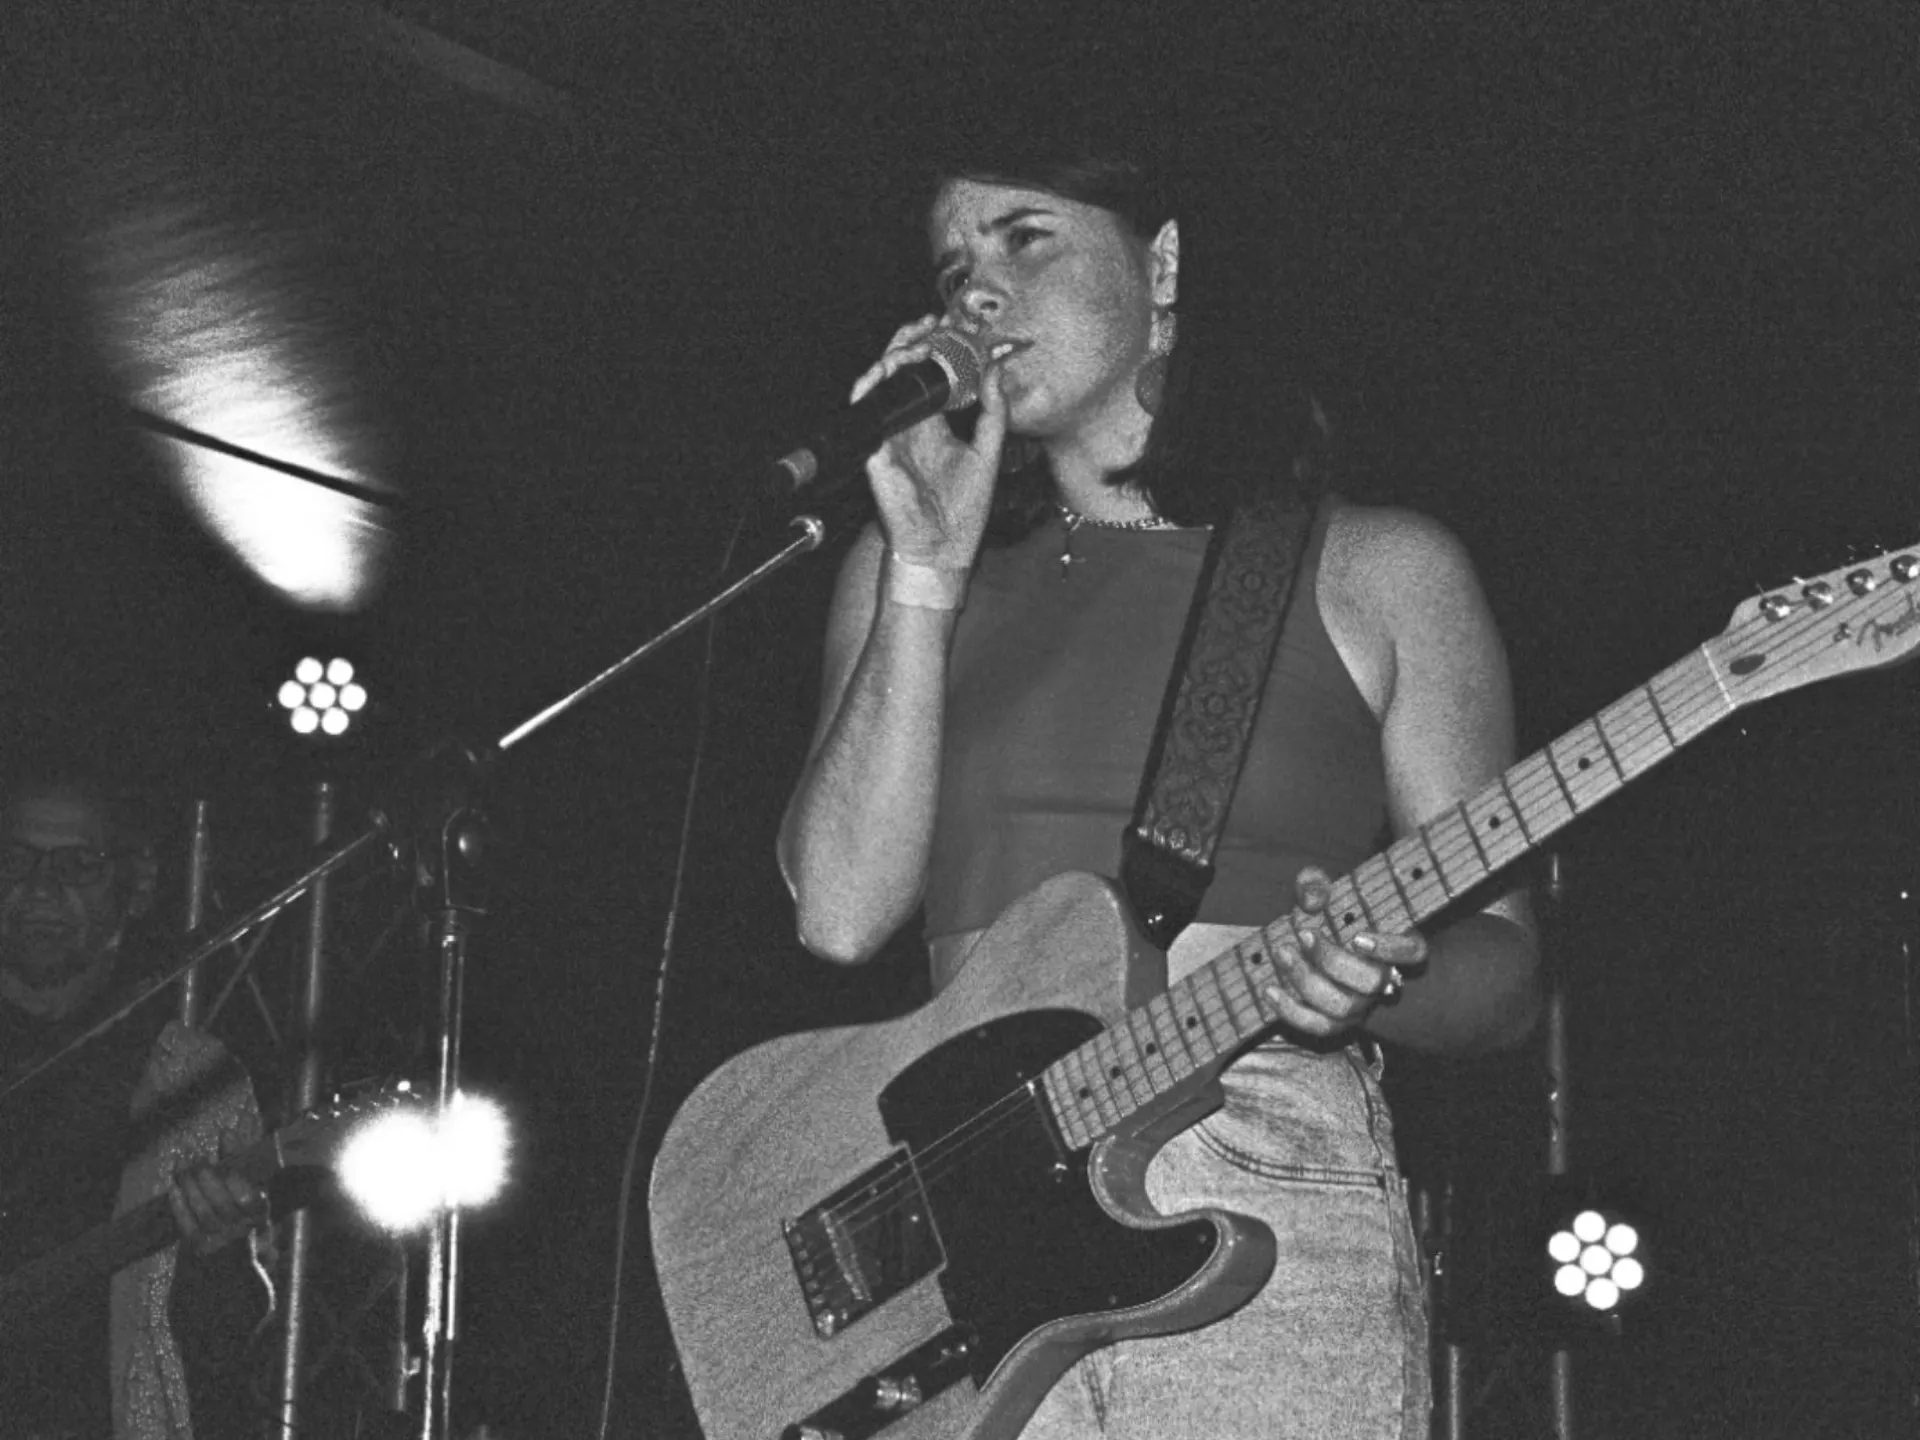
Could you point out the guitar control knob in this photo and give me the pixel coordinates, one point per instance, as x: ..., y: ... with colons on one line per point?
x: 1819, y: 594
x: 1906, y: 568
x: 1777, y: 607
x: 1862, y: 582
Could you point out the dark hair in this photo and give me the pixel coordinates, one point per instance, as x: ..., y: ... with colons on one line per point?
x: 1236, y: 418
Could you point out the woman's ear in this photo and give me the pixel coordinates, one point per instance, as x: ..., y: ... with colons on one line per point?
x: 1164, y: 264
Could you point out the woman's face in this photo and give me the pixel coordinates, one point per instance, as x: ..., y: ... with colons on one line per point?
x: 1066, y: 282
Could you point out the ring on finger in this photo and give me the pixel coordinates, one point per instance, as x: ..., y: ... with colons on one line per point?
x: 1396, y: 980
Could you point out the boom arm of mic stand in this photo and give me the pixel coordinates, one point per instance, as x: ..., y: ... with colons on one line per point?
x: 813, y: 531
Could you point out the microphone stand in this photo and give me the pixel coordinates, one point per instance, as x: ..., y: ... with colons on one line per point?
x: 453, y: 870
x: 460, y: 847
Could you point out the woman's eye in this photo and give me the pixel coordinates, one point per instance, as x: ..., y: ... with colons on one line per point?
x: 1021, y: 236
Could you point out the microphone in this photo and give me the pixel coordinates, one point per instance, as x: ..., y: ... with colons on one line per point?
x: 950, y: 380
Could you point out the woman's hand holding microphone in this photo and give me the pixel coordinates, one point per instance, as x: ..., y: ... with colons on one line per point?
x: 933, y: 490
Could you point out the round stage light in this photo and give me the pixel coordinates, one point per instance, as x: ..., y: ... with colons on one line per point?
x: 1595, y: 1260
x: 322, y: 697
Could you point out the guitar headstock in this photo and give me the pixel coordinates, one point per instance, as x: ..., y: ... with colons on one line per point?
x: 1858, y: 617
x: 316, y: 1136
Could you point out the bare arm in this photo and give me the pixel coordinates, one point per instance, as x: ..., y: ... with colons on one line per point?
x: 1447, y: 731
x: 1409, y: 617
x: 855, y: 839
x: 854, y: 843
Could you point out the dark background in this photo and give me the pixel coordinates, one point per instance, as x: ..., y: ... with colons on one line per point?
x: 1628, y: 299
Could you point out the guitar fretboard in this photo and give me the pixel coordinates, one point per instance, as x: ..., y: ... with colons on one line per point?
x: 1187, y: 1032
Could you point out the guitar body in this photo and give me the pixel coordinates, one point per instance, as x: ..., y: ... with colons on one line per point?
x: 961, y: 1248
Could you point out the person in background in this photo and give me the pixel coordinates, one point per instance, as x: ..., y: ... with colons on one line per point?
x: 146, y: 1353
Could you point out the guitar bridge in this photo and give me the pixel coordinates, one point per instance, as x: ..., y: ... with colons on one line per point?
x: 863, y: 1244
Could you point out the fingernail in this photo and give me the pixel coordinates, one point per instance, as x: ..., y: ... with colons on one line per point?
x: 1365, y: 944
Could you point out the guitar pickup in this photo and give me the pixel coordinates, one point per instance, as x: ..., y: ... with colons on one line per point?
x: 864, y: 1244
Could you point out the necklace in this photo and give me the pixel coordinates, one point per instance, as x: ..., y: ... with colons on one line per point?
x: 1073, y: 520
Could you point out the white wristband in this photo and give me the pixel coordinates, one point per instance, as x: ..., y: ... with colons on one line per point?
x: 924, y: 587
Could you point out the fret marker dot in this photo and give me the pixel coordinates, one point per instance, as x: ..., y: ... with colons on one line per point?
x: 1350, y: 918
x: 1493, y: 822
x: 1086, y: 1093
x: 1193, y: 1022
x: 1419, y: 872
x: 1114, y: 1073
x: 1586, y: 763
x: 1153, y: 1049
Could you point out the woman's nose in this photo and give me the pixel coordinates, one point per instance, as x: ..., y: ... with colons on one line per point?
x: 977, y: 302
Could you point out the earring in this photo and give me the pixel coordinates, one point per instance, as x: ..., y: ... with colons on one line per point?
x: 1150, y: 384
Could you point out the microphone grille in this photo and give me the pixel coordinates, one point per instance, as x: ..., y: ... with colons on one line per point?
x: 955, y: 354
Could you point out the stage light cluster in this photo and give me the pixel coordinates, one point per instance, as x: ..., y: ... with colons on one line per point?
x: 321, y: 697
x: 1595, y: 1260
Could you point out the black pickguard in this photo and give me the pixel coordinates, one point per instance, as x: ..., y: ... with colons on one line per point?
x: 1025, y: 1240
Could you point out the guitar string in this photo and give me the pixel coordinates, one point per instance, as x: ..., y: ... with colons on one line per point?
x: 1696, y: 695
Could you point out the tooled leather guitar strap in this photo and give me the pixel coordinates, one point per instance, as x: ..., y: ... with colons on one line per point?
x: 1207, y: 715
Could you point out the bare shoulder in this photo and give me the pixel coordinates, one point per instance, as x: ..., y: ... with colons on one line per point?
x: 1395, y: 586
x: 1379, y: 559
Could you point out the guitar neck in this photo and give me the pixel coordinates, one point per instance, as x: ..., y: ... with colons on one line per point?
x: 98, y: 1253
x: 1181, y: 1037
x: 116, y: 1243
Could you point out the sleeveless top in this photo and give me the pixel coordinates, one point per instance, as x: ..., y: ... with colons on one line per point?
x: 1054, y: 687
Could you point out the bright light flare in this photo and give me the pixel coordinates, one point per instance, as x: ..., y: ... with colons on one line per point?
x: 404, y: 1168
x: 474, y: 1148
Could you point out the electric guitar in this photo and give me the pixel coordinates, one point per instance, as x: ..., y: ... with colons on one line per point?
x: 916, y: 1227
x: 313, y: 1138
